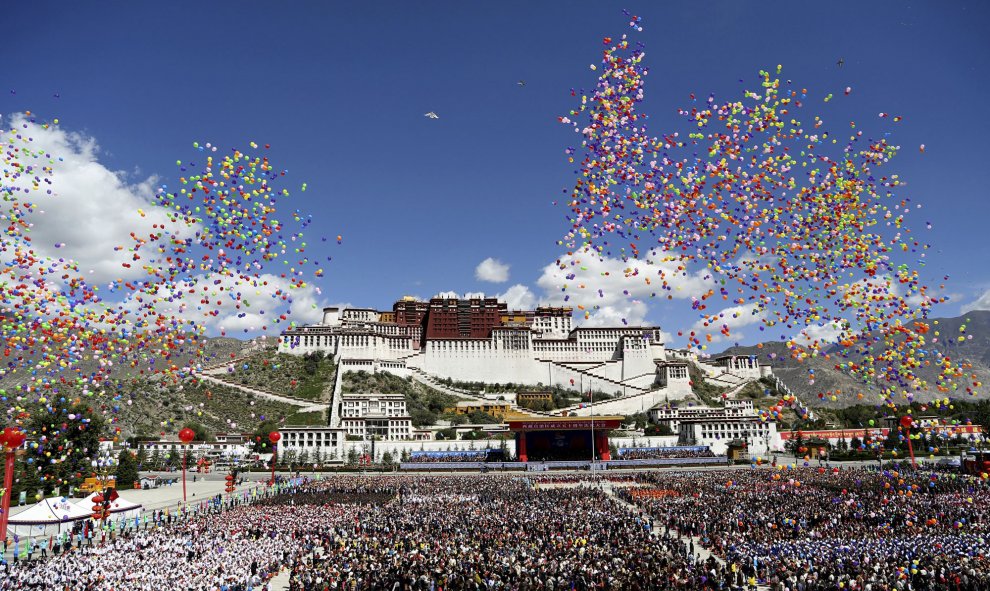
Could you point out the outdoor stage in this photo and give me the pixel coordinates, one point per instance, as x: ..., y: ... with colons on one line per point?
x: 563, y: 438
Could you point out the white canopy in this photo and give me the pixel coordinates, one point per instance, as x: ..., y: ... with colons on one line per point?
x: 57, y: 513
x: 120, y: 508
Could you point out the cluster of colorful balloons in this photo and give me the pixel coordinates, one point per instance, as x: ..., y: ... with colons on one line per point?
x: 217, y: 246
x: 786, y: 221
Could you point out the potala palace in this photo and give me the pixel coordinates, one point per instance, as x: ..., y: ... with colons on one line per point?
x: 477, y: 339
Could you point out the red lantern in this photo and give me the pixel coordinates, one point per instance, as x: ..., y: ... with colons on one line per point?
x: 906, y: 422
x: 186, y: 435
x: 230, y: 483
x: 98, y: 507
x: 274, y: 436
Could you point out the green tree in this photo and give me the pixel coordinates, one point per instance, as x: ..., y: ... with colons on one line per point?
x: 28, y: 470
x: 479, y: 417
x: 142, y: 457
x: 127, y: 469
x: 71, y: 443
x: 202, y: 433
x: 352, y: 456
x: 387, y: 460
x: 457, y: 419
x: 663, y: 429
x: 287, y: 457
x: 155, y: 461
x: 855, y: 443
x: 259, y: 439
x: 639, y: 420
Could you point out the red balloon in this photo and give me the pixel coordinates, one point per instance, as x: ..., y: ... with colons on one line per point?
x: 12, y: 437
x: 186, y: 435
x: 274, y: 436
x: 906, y: 422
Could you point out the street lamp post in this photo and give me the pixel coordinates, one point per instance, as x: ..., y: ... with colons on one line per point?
x: 186, y: 436
x: 906, y: 423
x: 274, y: 436
x: 11, y: 440
x: 102, y: 466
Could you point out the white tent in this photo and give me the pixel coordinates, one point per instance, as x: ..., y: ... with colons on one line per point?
x: 49, y: 516
x: 120, y: 508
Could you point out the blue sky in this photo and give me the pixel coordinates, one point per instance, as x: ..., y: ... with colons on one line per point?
x: 339, y: 90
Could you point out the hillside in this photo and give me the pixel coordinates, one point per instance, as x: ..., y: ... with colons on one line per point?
x: 973, y: 348
x: 299, y: 376
x: 218, y: 408
x: 144, y: 405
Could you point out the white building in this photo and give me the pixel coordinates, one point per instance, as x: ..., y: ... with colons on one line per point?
x: 226, y: 448
x: 375, y: 415
x: 716, y: 432
x: 717, y: 426
x: 319, y: 442
x: 671, y: 416
x: 531, y: 347
x: 742, y: 365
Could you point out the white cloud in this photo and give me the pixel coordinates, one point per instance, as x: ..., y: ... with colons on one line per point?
x: 733, y: 318
x: 90, y: 209
x: 492, y: 271
x: 518, y: 297
x: 612, y: 292
x: 828, y: 332
x: 980, y: 303
x: 235, y: 305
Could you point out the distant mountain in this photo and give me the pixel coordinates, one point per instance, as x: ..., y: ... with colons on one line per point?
x: 974, y: 349
x: 146, y: 406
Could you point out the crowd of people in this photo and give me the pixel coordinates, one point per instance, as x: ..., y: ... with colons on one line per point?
x: 493, y: 533
x: 231, y: 545
x: 653, y: 453
x: 790, y: 529
x: 432, y: 457
x: 814, y: 529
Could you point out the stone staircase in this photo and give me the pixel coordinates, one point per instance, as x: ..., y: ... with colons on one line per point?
x: 591, y: 376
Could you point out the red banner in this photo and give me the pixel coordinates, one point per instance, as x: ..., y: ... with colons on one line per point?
x: 555, y: 425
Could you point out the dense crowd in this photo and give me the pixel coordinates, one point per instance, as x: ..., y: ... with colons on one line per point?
x: 448, y: 456
x: 652, y: 453
x: 230, y: 546
x: 793, y: 529
x: 815, y: 529
x: 476, y: 532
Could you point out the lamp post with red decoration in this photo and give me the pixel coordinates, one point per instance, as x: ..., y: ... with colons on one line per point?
x: 186, y: 436
x: 274, y: 436
x: 11, y: 440
x: 906, y: 423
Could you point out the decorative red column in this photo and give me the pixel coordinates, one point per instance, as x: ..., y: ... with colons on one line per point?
x: 606, y: 455
x: 186, y: 435
x: 274, y: 436
x: 906, y: 423
x: 11, y: 440
x: 521, y: 446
